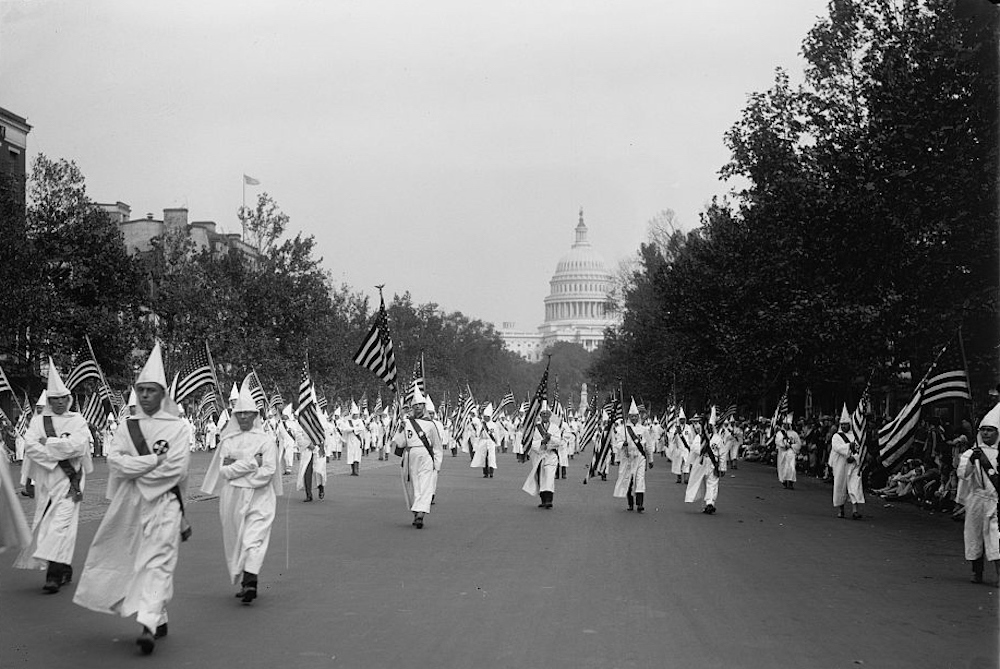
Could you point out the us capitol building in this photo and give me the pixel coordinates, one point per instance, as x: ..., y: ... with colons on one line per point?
x: 577, y: 308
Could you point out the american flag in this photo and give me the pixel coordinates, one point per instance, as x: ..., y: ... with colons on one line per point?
x: 308, y: 410
x: 195, y: 374
x: 88, y: 369
x: 417, y: 378
x: 4, y: 383
x: 781, y: 410
x: 24, y: 418
x: 323, y: 403
x: 952, y: 385
x: 730, y: 412
x: 859, y: 424
x: 592, y: 423
x: 256, y: 390
x: 376, y: 353
x: 277, y: 401
x: 507, y: 401
x: 378, y: 403
x: 94, y: 413
x: 557, y: 408
x: 466, y: 404
x: 602, y: 450
x: 535, y: 407
x: 208, y: 407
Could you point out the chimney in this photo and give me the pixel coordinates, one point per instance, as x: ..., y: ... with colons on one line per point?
x: 175, y: 218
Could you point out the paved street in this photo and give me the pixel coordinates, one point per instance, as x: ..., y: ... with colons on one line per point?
x: 772, y: 580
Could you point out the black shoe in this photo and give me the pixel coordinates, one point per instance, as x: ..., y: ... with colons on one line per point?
x: 855, y: 516
x: 542, y: 505
x: 419, y: 522
x: 51, y: 586
x: 640, y: 509
x: 161, y: 631
x: 321, y: 491
x: 309, y: 498
x: 710, y: 509
x: 146, y: 641
x: 976, y: 578
x: 67, y: 574
x: 249, y: 593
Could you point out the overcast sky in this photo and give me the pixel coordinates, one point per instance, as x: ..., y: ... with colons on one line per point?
x: 440, y: 147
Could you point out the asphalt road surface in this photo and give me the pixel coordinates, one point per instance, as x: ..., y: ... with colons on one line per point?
x: 774, y: 579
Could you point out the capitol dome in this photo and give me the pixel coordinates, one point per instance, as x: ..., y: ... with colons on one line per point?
x: 580, y: 286
x: 577, y: 308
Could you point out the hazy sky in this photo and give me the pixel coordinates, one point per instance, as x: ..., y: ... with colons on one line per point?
x: 440, y: 147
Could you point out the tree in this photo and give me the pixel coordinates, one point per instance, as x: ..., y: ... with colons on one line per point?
x: 264, y: 223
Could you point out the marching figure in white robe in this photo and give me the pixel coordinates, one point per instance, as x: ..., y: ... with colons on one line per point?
x: 312, y: 462
x: 633, y: 463
x: 485, y: 441
x: 57, y: 459
x: 352, y: 431
x: 131, y: 563
x: 977, y: 470
x: 680, y: 447
x: 846, y: 468
x: 788, y: 448
x: 245, y: 474
x: 418, y: 442
x: 705, y: 474
x: 545, y: 443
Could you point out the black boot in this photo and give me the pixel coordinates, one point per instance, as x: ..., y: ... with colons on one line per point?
x: 54, y: 578
x: 249, y: 591
x: 321, y: 491
x: 548, y: 499
x: 354, y: 469
x: 977, y: 570
x: 631, y: 501
x: 418, y: 522
x: 486, y: 472
x: 491, y: 472
x: 564, y: 473
x: 557, y: 471
x: 639, y: 499
x: 146, y: 641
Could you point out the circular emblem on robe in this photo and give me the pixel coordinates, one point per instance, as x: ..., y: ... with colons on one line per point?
x: 161, y: 447
x: 64, y: 435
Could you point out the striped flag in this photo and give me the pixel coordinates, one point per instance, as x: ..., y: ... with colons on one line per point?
x: 277, y: 401
x: 322, y: 403
x: 208, y: 407
x: 94, y: 413
x: 523, y: 407
x: 417, y: 378
x: 308, y: 410
x: 378, y: 403
x: 5, y: 384
x: 88, y: 369
x: 376, y: 353
x: 859, y: 426
x: 363, y: 405
x: 593, y: 422
x: 535, y: 407
x: 465, y: 406
x: 730, y: 412
x: 507, y: 401
x: 781, y: 410
x: 894, y: 437
x: 24, y: 418
x: 557, y: 408
x: 952, y: 385
x: 602, y: 450
x: 195, y: 374
x: 256, y: 390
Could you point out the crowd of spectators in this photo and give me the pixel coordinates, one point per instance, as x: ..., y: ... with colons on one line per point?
x: 927, y: 478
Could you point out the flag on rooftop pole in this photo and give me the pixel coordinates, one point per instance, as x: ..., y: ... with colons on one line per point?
x: 375, y: 352
x: 535, y: 407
